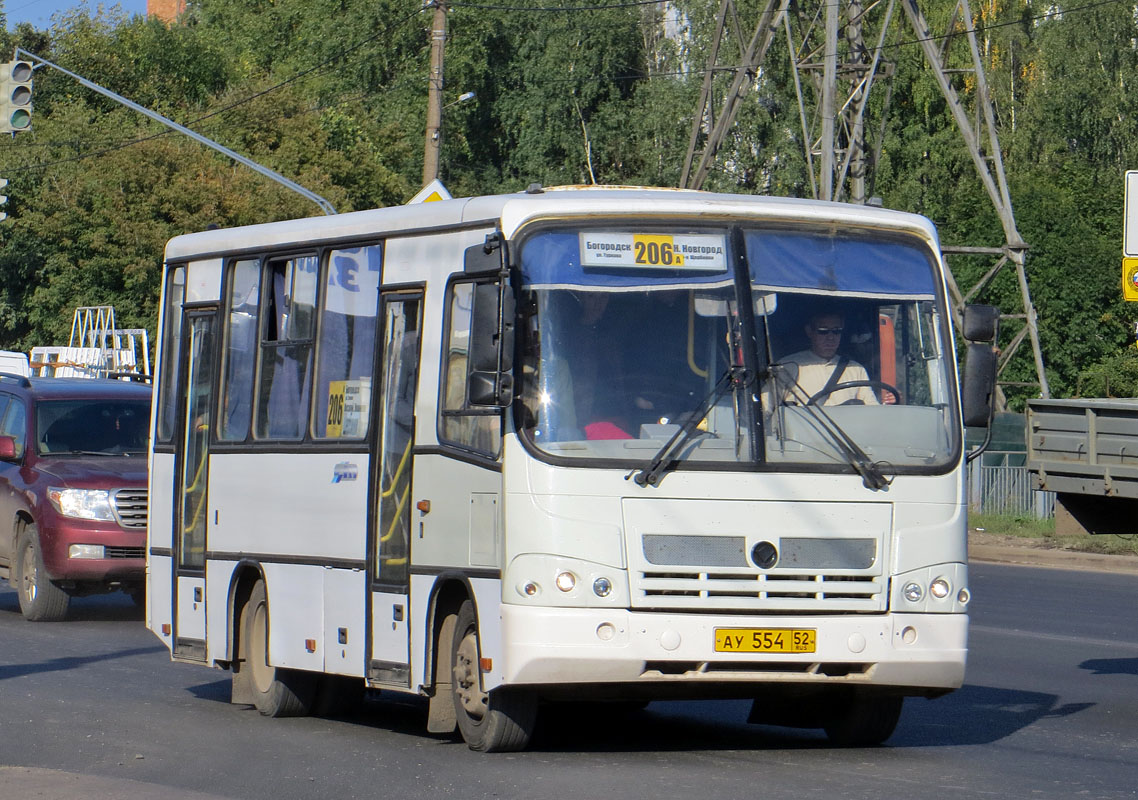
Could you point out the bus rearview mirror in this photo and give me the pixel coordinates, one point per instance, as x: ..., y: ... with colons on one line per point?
x: 980, y: 323
x: 979, y: 385
x: 491, y: 346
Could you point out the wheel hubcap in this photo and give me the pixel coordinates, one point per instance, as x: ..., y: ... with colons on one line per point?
x: 258, y: 656
x: 466, y: 678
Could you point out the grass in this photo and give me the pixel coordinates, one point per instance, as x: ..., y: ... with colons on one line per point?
x: 1041, y: 533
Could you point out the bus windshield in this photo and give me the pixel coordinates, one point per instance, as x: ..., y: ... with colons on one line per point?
x: 627, y: 332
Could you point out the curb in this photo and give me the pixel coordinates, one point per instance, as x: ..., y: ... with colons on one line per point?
x: 1053, y: 559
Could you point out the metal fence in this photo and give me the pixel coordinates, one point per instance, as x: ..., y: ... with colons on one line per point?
x: 1003, y: 489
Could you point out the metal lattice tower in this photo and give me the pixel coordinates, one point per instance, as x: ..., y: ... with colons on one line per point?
x: 836, y: 55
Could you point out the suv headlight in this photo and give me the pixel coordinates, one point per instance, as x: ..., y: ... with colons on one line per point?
x: 82, y: 503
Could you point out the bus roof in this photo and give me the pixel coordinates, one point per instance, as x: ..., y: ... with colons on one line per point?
x: 511, y: 211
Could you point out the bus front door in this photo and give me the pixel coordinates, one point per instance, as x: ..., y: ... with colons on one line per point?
x: 391, y: 534
x: 191, y: 508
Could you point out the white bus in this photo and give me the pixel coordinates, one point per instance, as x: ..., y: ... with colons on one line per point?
x: 558, y: 445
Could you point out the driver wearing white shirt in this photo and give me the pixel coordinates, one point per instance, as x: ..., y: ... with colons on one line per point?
x: 814, y: 370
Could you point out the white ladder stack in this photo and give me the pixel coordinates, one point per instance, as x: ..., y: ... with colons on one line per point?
x: 98, y: 348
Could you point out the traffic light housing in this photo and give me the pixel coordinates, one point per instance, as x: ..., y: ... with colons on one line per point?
x: 16, y: 96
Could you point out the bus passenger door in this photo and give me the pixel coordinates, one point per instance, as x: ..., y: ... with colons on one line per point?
x: 192, y: 473
x: 390, y: 558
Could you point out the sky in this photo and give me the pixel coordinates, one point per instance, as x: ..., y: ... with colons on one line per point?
x: 39, y: 12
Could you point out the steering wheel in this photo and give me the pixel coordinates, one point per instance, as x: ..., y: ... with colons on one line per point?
x: 854, y: 384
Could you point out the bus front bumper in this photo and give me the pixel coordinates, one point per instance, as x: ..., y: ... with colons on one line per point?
x: 548, y: 646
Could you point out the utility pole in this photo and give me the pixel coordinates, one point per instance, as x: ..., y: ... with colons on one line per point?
x: 435, y: 93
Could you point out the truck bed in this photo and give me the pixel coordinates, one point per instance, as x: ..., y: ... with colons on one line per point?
x: 1086, y: 446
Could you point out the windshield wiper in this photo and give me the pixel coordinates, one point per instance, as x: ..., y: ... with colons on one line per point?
x: 734, y: 377
x: 871, y: 475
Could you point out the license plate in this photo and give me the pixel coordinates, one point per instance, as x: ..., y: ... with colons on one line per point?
x: 765, y: 640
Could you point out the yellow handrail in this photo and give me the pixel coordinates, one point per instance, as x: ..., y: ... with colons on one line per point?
x: 398, y: 472
x: 395, y: 519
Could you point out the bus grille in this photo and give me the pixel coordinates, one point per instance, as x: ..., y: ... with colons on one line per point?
x: 131, y: 508
x: 757, y: 557
x: 755, y: 591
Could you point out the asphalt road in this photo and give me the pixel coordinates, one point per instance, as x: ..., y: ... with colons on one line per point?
x: 93, y: 708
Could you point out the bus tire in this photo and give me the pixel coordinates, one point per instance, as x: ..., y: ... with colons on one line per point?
x: 40, y: 599
x: 866, y: 721
x: 276, y: 692
x: 499, y: 721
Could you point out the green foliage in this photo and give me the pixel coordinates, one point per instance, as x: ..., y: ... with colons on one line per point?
x: 1114, y: 376
x: 332, y: 94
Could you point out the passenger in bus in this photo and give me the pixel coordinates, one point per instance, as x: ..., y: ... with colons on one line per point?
x: 817, y: 372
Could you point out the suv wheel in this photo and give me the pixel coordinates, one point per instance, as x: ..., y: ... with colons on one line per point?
x: 40, y: 599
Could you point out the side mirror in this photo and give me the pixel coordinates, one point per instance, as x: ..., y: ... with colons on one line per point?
x: 489, y: 382
x: 979, y: 385
x: 8, y: 449
x: 980, y: 323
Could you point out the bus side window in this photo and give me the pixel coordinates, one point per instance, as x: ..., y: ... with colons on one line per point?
x: 286, y: 349
x: 240, y: 351
x: 459, y: 422
x: 345, y: 350
x: 171, y: 349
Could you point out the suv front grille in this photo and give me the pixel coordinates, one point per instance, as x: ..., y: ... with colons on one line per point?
x: 131, y: 506
x: 124, y: 552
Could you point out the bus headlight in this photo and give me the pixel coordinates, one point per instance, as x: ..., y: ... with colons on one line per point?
x: 82, y: 503
x: 540, y: 579
x: 936, y: 589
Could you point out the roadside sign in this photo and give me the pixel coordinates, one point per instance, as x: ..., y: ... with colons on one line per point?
x: 1130, y: 238
x: 430, y: 193
x: 1129, y: 278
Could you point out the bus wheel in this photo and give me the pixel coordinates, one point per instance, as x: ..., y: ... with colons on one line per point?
x: 276, y: 692
x: 501, y: 720
x: 40, y: 599
x: 866, y: 721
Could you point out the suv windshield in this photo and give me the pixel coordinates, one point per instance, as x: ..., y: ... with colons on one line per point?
x: 91, y: 427
x: 627, y: 331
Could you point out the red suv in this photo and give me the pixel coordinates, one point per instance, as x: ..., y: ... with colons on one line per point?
x: 73, y: 496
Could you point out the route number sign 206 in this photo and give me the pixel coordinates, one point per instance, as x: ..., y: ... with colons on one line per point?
x: 687, y: 252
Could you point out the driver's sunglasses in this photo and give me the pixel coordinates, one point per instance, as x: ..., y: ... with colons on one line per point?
x: 828, y: 331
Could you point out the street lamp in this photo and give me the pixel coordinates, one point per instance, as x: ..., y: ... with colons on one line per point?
x: 462, y: 98
x: 434, y: 145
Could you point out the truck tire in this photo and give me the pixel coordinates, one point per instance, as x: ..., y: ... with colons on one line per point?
x: 40, y: 599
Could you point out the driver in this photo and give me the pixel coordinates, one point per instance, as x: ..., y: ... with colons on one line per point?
x: 821, y: 367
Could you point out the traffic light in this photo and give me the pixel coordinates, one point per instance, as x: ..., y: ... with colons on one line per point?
x: 16, y: 96
x: 3, y: 199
